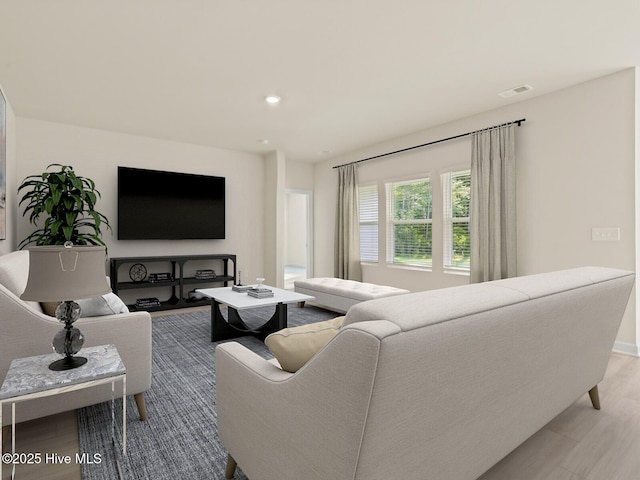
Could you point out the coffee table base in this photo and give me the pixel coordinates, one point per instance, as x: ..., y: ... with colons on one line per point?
x: 234, y: 327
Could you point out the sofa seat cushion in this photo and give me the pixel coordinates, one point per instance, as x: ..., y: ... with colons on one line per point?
x: 294, y: 346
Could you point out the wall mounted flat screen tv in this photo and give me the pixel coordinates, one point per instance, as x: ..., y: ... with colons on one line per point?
x: 158, y: 205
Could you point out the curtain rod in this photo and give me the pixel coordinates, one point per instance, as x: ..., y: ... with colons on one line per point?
x: 435, y: 141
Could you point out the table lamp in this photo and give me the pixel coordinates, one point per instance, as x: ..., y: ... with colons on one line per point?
x: 61, y: 273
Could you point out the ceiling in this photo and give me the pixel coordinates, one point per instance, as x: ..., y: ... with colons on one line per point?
x: 351, y: 73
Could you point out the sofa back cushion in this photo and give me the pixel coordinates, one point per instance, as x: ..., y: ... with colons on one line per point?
x: 14, y: 272
x: 437, y: 306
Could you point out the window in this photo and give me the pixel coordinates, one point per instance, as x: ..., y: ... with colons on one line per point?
x: 409, y: 231
x: 368, y: 197
x: 456, y: 187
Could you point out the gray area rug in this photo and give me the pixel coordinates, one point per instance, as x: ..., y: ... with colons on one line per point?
x: 180, y: 438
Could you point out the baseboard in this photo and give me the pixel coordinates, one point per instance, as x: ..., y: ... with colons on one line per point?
x: 627, y: 348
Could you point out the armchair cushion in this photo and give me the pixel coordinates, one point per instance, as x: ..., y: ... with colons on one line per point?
x: 294, y: 346
x: 108, y: 304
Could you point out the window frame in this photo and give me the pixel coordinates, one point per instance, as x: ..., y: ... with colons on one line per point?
x: 375, y: 248
x: 391, y: 222
x: 448, y: 220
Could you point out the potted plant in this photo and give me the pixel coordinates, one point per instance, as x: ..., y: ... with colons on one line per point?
x: 68, y: 203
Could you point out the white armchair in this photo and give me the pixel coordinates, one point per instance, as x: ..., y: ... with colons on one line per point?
x: 27, y: 331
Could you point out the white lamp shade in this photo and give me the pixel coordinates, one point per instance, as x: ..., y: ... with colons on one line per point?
x: 58, y: 273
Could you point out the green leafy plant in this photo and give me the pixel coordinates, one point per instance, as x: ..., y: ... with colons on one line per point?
x: 67, y: 203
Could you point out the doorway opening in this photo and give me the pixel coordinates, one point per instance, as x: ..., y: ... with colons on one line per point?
x: 298, y: 237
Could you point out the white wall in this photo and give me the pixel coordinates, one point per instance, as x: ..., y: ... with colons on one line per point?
x: 96, y: 154
x: 299, y: 175
x: 575, y: 171
x: 9, y: 243
x: 274, y: 226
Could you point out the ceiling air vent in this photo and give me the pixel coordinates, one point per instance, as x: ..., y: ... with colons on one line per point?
x: 515, y: 91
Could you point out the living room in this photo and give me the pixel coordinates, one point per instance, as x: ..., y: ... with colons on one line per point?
x: 576, y: 170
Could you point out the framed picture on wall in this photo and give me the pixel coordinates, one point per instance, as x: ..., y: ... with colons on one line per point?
x: 3, y: 167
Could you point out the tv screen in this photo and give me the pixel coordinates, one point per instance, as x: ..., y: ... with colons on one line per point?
x: 157, y: 205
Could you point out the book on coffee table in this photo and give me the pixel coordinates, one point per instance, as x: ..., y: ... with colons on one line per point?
x: 260, y: 292
x: 241, y: 288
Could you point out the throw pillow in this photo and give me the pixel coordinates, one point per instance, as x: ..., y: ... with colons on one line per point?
x: 294, y: 346
x: 49, y: 308
x: 108, y: 304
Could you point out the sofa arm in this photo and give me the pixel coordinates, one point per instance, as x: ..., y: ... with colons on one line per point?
x: 241, y: 362
x: 308, y: 424
x: 131, y: 334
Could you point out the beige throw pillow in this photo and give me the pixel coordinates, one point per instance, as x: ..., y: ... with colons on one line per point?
x: 294, y: 346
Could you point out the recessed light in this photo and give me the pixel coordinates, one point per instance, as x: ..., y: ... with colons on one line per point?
x: 263, y: 141
x: 272, y: 99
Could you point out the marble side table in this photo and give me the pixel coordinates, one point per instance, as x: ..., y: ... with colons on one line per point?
x: 30, y: 378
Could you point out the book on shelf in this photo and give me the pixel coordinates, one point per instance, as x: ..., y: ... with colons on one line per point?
x: 160, y: 277
x: 147, y: 302
x: 205, y: 274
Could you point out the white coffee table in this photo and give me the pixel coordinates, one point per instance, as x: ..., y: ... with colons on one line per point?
x: 222, y: 329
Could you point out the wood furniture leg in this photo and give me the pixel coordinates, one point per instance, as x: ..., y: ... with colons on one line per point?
x: 231, y: 467
x: 142, y: 408
x: 595, y: 397
x: 301, y: 304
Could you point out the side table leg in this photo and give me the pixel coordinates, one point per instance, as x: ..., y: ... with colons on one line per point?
x: 13, y: 439
x: 124, y: 415
x: 113, y: 414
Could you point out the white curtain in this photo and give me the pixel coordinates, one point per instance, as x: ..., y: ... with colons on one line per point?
x: 347, y: 242
x: 493, y: 205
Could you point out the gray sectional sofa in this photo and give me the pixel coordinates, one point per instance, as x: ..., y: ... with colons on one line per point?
x: 432, y: 385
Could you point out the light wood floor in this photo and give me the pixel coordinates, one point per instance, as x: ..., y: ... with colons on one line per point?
x: 579, y: 444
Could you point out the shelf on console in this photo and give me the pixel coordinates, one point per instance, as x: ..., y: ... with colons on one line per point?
x: 179, y: 295
x: 132, y: 285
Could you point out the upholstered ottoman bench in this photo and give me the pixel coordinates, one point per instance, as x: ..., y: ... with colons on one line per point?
x: 339, y: 295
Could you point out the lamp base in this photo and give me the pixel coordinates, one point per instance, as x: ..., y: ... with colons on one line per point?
x: 67, y: 363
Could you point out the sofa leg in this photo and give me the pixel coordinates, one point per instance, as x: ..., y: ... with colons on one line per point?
x: 142, y: 408
x: 6, y: 434
x: 595, y: 397
x: 231, y: 467
x: 301, y: 304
